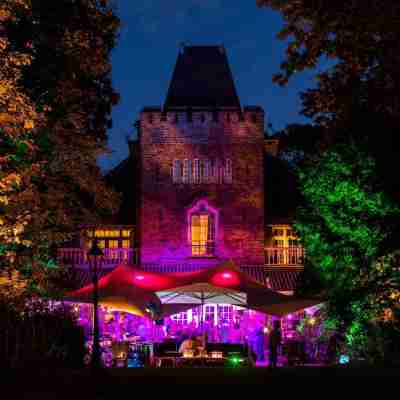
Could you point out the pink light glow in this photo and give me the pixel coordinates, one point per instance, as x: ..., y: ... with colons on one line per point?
x: 225, y: 279
x: 150, y: 281
x: 290, y: 316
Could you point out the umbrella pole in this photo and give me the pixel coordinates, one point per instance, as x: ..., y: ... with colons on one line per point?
x: 201, y: 313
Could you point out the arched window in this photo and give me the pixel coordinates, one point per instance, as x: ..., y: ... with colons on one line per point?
x: 228, y: 171
x: 196, y: 171
x: 177, y: 171
x: 202, y: 227
x: 186, y: 171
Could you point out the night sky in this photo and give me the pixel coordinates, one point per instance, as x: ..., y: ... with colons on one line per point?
x: 151, y: 34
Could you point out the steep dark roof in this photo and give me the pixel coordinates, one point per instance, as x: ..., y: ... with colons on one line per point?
x: 202, y: 78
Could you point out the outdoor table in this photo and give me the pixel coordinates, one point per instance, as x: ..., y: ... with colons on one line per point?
x: 200, y: 361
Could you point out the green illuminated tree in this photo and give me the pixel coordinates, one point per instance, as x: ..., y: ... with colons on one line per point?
x: 346, y: 225
x: 349, y: 221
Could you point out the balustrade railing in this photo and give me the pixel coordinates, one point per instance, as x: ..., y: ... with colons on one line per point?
x: 112, y: 257
x: 274, y: 256
x: 284, y: 256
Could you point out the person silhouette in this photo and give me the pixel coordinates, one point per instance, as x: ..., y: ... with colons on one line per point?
x: 275, y: 338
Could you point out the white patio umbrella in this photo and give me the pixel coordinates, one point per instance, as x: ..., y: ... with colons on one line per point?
x: 202, y: 293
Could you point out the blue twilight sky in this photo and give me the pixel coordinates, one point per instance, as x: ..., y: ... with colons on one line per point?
x: 151, y: 33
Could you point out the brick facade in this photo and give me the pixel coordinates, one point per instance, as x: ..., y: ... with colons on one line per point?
x: 164, y: 205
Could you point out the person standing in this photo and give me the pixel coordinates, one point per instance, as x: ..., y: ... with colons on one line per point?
x: 275, y: 339
x: 259, y: 344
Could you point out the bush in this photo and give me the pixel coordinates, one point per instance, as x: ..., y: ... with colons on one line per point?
x: 40, y: 335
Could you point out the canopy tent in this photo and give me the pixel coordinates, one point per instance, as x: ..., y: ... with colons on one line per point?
x: 157, y: 295
x: 118, y: 291
x: 289, y: 306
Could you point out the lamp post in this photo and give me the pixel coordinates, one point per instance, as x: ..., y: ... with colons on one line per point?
x: 93, y: 255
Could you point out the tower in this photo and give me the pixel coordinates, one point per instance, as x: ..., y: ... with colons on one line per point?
x: 201, y: 169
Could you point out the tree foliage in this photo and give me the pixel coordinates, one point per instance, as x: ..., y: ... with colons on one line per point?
x: 346, y: 224
x: 359, y: 95
x: 55, y: 109
x: 350, y: 216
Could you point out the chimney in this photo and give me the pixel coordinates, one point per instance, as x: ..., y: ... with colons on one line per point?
x: 271, y: 146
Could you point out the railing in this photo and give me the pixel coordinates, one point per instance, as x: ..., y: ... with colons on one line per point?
x: 203, y: 250
x: 284, y: 256
x: 112, y: 257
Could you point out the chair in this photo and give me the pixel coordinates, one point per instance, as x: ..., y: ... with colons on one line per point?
x: 120, y: 354
x: 165, y: 354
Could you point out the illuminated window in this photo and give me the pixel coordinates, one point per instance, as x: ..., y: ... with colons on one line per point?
x: 284, y: 236
x: 99, y: 233
x: 209, y: 314
x: 181, y: 318
x: 225, y: 313
x: 126, y: 233
x: 126, y: 244
x: 202, y: 232
x: 113, y: 244
x: 102, y: 244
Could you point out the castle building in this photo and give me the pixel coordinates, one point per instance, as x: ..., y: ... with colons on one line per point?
x: 197, y: 185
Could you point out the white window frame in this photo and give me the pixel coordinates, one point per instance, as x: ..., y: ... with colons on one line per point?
x: 176, y: 171
x: 196, y: 171
x: 186, y: 171
x: 228, y: 171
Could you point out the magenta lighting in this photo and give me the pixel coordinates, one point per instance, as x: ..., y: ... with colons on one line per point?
x: 139, y: 277
x: 227, y: 275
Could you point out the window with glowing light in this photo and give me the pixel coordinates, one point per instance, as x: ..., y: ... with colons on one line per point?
x: 126, y: 244
x: 202, y: 221
x: 209, y: 313
x: 113, y: 244
x: 202, y: 235
x: 108, y: 238
x: 181, y: 318
x: 225, y: 313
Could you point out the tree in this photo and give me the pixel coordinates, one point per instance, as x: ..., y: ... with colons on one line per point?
x: 19, y: 124
x: 68, y: 83
x: 346, y: 224
x: 359, y: 95
x: 351, y: 196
